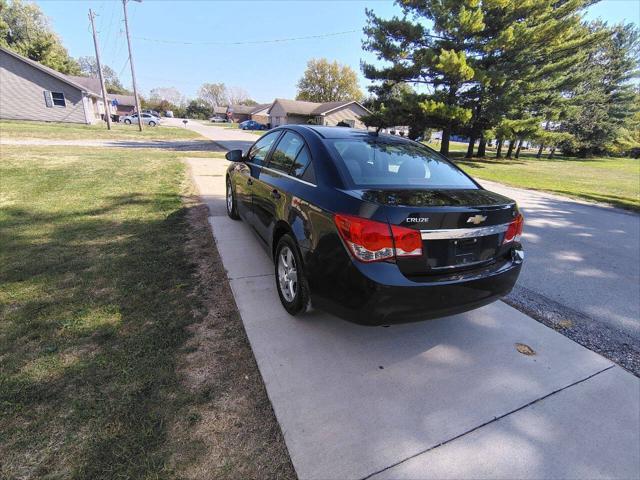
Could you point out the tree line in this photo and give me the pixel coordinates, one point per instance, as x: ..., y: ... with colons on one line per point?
x: 508, y: 70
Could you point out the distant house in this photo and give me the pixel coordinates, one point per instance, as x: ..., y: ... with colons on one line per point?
x: 239, y: 113
x: 32, y: 91
x: 283, y: 112
x: 260, y: 113
x: 220, y: 111
x: 121, y: 105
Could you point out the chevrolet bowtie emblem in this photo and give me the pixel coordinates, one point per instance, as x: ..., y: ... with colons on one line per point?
x: 476, y: 219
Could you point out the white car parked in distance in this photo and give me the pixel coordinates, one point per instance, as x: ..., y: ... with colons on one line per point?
x: 147, y: 119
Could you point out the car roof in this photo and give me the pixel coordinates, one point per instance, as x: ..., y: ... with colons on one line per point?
x: 344, y: 132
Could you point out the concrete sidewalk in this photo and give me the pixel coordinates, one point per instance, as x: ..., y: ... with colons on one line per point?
x: 451, y: 397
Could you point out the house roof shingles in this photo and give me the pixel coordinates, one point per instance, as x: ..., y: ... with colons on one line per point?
x: 299, y: 107
x: 90, y: 84
x: 69, y: 79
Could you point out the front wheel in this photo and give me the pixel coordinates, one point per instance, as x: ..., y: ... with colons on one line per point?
x: 127, y: 122
x: 232, y: 209
x: 152, y: 124
x: 290, y: 280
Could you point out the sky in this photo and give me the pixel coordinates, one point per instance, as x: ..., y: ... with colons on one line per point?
x: 183, y: 44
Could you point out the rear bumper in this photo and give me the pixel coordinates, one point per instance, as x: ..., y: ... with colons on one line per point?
x: 378, y: 294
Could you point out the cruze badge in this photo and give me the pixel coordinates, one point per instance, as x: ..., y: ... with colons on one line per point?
x: 417, y: 220
x: 476, y: 219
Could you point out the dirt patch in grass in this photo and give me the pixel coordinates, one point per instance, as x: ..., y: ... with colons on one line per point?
x: 234, y: 427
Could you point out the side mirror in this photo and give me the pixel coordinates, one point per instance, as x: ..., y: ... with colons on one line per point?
x: 234, y: 155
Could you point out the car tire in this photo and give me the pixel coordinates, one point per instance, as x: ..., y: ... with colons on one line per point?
x: 232, y: 208
x: 290, y: 280
x: 127, y: 122
x: 152, y: 123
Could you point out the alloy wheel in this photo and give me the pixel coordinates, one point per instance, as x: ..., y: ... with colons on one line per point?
x: 229, y: 197
x: 287, y: 274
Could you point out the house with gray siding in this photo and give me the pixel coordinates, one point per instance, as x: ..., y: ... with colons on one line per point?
x: 283, y: 112
x: 32, y: 91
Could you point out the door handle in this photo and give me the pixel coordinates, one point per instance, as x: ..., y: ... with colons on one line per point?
x: 275, y: 194
x: 249, y: 181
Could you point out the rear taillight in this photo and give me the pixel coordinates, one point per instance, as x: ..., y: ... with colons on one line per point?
x: 514, y: 231
x: 371, y: 241
x: 408, y: 242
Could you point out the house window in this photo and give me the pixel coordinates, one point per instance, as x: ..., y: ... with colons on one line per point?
x: 54, y: 99
x: 58, y: 99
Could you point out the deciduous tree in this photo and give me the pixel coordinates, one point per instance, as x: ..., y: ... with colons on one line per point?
x: 169, y: 94
x: 26, y: 30
x: 89, y: 68
x: 213, y: 94
x: 325, y: 81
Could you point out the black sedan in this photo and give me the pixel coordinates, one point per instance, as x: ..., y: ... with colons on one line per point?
x: 373, y: 228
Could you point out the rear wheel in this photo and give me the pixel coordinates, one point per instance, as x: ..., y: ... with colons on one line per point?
x: 290, y: 279
x: 127, y: 121
x: 232, y: 209
x: 152, y: 123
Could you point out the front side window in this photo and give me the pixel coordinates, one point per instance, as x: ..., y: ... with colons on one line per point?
x: 285, y: 153
x: 378, y: 162
x: 260, y: 149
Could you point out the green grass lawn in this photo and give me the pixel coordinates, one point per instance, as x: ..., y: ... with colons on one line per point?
x: 101, y: 298
x: 615, y: 181
x: 67, y: 131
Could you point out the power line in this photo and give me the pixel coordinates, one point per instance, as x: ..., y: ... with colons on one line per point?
x: 126, y: 62
x: 247, y: 42
x: 107, y: 35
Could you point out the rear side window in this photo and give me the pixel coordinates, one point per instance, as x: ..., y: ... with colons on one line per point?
x: 261, y: 148
x: 302, y: 160
x: 286, y: 152
x: 377, y: 162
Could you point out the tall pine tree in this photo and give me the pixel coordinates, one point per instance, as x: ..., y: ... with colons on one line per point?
x: 605, y: 101
x: 479, y: 61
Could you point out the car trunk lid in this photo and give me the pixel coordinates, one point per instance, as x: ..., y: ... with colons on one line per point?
x: 460, y: 229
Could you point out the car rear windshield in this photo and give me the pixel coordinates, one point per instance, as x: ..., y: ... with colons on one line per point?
x: 378, y: 162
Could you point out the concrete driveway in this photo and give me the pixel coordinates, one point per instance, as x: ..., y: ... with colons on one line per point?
x: 446, y: 398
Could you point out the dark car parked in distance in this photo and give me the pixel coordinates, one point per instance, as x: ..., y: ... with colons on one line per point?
x: 373, y: 228
x: 252, y: 125
x: 152, y: 112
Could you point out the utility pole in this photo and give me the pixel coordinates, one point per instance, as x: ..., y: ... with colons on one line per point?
x: 104, y: 90
x: 133, y: 71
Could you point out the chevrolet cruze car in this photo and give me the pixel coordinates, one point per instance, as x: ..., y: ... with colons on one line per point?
x: 374, y: 228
